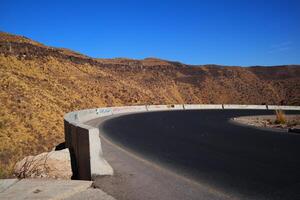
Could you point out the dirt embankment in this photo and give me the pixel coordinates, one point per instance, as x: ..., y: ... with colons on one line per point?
x: 270, y: 121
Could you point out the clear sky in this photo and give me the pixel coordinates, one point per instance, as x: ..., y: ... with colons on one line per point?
x: 230, y: 32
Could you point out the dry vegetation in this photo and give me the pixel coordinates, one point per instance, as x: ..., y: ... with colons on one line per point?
x: 280, y: 117
x: 39, y: 84
x: 278, y: 121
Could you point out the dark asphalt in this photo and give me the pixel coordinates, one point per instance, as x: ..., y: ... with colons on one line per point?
x: 205, y: 146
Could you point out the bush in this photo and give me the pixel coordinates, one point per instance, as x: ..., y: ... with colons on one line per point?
x: 280, y: 117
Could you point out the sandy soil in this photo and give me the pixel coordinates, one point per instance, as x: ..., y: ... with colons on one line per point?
x: 268, y: 121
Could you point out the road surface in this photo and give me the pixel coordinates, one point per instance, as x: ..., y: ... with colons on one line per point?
x: 198, y: 154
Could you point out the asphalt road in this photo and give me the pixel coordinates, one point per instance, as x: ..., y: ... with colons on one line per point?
x: 204, y: 146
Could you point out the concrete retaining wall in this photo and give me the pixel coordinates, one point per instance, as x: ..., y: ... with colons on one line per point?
x: 84, y: 141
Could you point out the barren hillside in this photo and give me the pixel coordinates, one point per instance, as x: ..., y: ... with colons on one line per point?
x: 40, y: 83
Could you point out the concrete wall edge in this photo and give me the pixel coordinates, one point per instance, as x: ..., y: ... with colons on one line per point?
x: 73, y: 121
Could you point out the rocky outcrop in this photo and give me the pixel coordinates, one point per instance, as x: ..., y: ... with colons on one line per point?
x: 54, y: 164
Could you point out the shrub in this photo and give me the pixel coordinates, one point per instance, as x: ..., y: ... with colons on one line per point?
x: 280, y: 117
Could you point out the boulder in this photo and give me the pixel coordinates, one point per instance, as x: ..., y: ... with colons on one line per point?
x: 54, y: 164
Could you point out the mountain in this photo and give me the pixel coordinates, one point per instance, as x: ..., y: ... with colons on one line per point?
x: 39, y: 84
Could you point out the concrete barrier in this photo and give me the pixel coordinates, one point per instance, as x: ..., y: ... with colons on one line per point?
x: 202, y: 106
x: 275, y: 107
x: 164, y: 107
x: 86, y: 115
x: 237, y: 106
x: 84, y: 142
x: 128, y: 109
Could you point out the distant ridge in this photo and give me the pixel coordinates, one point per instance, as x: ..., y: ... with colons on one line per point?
x: 7, y: 39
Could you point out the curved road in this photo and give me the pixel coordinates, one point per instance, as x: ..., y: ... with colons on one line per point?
x: 204, y: 146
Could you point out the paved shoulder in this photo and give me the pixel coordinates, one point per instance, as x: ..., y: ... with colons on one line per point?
x: 7, y: 183
x: 91, y: 194
x: 49, y: 189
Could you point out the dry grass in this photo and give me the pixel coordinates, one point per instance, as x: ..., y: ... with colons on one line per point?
x: 36, y: 91
x: 280, y: 117
x: 35, y: 94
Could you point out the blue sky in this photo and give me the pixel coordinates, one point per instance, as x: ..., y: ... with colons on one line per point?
x: 229, y: 32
